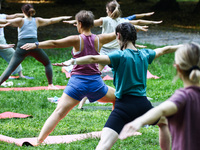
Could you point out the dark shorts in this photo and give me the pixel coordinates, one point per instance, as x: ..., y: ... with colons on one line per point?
x: 127, y: 109
x: 91, y: 86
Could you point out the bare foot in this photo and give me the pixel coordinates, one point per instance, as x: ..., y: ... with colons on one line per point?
x: 52, y: 87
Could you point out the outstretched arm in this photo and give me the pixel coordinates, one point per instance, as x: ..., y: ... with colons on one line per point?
x: 166, y: 50
x: 167, y: 108
x: 144, y: 22
x: 97, y: 22
x: 106, y: 38
x: 61, y: 43
x: 74, y: 22
x: 13, y: 16
x: 89, y: 59
x: 44, y: 22
x: 17, y: 22
x: 142, y: 28
x: 4, y: 46
x: 4, y: 25
x: 143, y: 15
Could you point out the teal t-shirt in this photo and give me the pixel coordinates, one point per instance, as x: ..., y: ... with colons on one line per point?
x: 130, y: 70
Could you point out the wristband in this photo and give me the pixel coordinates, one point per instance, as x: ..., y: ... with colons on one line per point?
x: 74, y: 63
x: 37, y: 44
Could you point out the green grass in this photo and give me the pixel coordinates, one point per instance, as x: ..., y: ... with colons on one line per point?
x: 35, y: 103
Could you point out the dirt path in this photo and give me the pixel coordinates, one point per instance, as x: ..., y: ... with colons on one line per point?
x: 167, y: 37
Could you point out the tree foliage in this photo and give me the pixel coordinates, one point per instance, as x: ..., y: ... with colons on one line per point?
x: 166, y: 5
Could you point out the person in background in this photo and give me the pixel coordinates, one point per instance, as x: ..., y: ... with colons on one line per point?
x: 7, y: 53
x: 182, y: 108
x: 27, y: 33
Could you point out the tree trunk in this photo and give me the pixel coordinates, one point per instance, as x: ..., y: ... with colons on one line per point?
x: 166, y: 5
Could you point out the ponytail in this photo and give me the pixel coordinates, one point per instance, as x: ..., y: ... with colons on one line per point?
x: 31, y: 12
x: 194, y: 75
x: 114, y: 8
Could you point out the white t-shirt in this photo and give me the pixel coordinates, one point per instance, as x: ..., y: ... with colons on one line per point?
x: 2, y: 16
x: 109, y: 26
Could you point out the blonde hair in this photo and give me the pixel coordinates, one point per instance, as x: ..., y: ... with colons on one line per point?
x: 188, y: 59
x: 114, y: 8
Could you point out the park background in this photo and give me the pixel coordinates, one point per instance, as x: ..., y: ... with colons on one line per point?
x: 181, y: 24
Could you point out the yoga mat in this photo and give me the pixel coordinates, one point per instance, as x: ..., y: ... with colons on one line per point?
x: 53, y: 139
x: 107, y: 77
x: 13, y: 115
x: 30, y: 88
x: 16, y: 77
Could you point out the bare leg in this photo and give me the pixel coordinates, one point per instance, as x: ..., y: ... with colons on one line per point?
x: 82, y: 103
x: 20, y: 74
x: 164, y: 134
x: 109, y: 97
x: 108, y: 139
x: 65, y: 104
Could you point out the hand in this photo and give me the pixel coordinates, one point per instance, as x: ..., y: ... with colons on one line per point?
x: 4, y: 25
x: 129, y: 129
x: 66, y: 63
x: 4, y: 46
x: 142, y: 28
x: 66, y: 17
x: 28, y: 46
x: 149, y: 14
x: 71, y: 22
x: 157, y: 22
x: 58, y: 64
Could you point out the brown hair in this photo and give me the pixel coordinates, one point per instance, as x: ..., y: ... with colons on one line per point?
x: 188, y: 59
x: 128, y: 34
x: 114, y: 8
x: 28, y: 10
x: 86, y: 18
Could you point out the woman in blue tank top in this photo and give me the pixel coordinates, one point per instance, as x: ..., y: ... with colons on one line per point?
x: 85, y: 79
x: 27, y: 33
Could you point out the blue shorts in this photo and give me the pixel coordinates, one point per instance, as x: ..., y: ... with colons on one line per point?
x: 91, y: 86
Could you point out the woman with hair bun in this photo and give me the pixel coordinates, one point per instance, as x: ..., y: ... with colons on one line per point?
x: 182, y: 108
x: 27, y: 33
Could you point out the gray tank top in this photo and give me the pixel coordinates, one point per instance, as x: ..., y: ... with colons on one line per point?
x: 28, y: 30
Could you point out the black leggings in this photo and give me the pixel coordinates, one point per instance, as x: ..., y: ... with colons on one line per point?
x: 127, y: 109
x: 21, y: 54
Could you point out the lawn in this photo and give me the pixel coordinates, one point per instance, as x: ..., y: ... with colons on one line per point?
x: 35, y: 103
